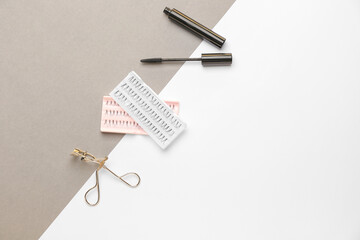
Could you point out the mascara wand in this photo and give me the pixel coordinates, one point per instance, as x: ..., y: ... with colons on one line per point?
x: 207, y: 59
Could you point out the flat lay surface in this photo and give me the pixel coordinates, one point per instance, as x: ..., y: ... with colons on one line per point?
x: 57, y: 60
x: 271, y: 145
x: 271, y: 149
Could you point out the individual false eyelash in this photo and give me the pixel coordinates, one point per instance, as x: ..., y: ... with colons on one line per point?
x: 155, y: 117
x: 114, y: 119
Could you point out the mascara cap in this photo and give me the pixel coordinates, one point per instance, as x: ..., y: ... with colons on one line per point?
x: 216, y: 59
x: 195, y: 27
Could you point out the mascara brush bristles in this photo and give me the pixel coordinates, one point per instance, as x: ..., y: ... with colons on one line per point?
x: 151, y: 60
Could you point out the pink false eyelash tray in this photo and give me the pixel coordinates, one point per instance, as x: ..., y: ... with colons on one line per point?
x: 114, y: 119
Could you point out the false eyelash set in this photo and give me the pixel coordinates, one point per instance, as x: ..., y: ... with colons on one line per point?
x: 153, y: 115
x: 114, y: 119
x: 134, y: 108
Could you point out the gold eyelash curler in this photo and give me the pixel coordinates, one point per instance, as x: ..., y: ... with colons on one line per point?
x: 88, y: 157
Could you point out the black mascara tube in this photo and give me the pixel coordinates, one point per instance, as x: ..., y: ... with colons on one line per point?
x: 195, y: 27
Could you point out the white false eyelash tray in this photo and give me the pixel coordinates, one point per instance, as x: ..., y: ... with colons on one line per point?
x: 148, y: 110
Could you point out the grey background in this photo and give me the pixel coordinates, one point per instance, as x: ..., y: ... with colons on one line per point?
x: 57, y: 60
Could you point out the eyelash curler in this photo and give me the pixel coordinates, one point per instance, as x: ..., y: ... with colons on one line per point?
x: 88, y: 157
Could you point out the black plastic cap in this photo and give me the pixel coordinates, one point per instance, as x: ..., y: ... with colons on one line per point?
x: 216, y: 59
x: 194, y: 27
x: 167, y: 11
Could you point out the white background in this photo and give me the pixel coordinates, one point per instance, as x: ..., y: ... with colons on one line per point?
x: 272, y: 145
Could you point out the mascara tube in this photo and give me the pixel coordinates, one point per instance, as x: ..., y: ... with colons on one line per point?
x: 195, y: 27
